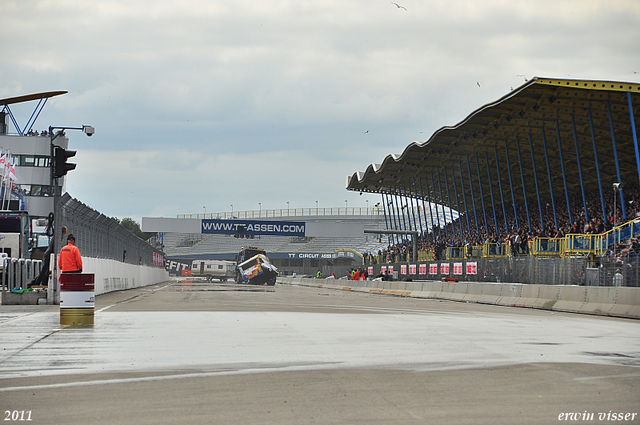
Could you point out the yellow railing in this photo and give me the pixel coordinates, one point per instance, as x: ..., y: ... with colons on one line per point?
x: 495, y: 250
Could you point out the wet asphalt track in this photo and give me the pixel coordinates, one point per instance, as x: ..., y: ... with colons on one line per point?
x: 222, y: 353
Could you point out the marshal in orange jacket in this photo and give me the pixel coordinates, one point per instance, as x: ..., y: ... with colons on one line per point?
x: 69, y: 259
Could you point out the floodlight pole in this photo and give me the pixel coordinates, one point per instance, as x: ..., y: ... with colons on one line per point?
x: 616, y: 189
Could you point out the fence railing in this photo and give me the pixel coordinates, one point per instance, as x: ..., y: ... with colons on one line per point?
x: 289, y: 212
x: 99, y: 236
x: 18, y: 272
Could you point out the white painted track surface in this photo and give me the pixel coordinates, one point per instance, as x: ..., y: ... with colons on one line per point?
x: 165, y: 333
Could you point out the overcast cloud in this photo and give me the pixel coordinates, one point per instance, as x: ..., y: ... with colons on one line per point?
x: 217, y: 103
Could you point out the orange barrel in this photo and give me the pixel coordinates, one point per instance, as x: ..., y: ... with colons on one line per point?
x: 77, y: 299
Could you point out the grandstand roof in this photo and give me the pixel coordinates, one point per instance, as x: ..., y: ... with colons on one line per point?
x: 542, y: 112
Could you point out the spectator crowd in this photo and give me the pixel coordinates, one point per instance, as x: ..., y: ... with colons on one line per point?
x: 519, y: 232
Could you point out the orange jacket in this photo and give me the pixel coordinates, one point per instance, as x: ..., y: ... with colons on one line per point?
x: 69, y: 259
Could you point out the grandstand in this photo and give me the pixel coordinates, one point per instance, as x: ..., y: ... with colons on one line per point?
x: 551, y: 169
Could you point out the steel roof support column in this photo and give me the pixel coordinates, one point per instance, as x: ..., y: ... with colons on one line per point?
x: 473, y: 198
x: 535, y: 178
x: 413, y: 214
x: 393, y: 221
x: 455, y: 188
x: 446, y: 182
x: 430, y: 225
x: 546, y: 157
x: 444, y: 213
x: 415, y: 188
x: 524, y: 188
x: 493, y: 202
x: 406, y: 224
x: 595, y: 155
x: 564, y: 176
x: 504, y: 211
x: 615, y: 156
x: 396, y: 206
x: 484, y: 211
x: 407, y: 198
x: 575, y: 139
x: 433, y: 185
x: 464, y: 197
x: 513, y: 198
x: 404, y: 211
x: 387, y: 213
x: 633, y: 131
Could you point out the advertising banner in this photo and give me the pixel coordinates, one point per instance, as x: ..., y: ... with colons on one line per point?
x: 253, y: 227
x: 433, y: 268
x: 403, y: 269
x: 444, y: 268
x: 472, y: 268
x: 423, y: 269
x: 457, y: 268
x: 412, y: 269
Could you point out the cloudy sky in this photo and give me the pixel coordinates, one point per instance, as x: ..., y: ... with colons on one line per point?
x: 255, y: 103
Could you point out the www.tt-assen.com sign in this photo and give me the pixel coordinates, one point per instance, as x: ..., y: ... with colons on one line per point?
x: 254, y: 227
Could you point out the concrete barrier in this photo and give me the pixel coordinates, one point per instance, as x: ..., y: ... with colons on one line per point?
x: 111, y: 275
x: 608, y: 301
x: 25, y: 298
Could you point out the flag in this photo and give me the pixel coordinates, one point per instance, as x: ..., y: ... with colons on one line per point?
x: 9, y: 171
x: 3, y: 160
x: 12, y: 173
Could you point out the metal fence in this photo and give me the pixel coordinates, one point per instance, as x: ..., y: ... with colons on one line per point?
x: 18, y: 272
x: 618, y: 271
x: 529, y: 270
x: 98, y: 236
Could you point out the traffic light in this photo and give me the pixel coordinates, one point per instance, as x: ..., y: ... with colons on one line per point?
x: 60, y: 164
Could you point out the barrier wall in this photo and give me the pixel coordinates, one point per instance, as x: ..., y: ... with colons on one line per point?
x: 609, y: 301
x: 112, y: 275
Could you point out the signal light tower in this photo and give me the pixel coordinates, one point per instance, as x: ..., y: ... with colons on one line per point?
x: 60, y: 164
x: 59, y: 168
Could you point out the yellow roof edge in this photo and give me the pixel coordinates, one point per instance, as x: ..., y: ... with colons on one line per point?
x: 591, y: 84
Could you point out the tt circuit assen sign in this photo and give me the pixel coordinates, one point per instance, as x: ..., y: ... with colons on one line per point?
x: 253, y: 227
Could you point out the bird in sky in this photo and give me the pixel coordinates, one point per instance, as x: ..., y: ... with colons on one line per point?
x: 366, y: 132
x: 478, y: 83
x: 398, y: 6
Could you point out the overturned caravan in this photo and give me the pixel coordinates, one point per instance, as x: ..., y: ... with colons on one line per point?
x: 257, y: 270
